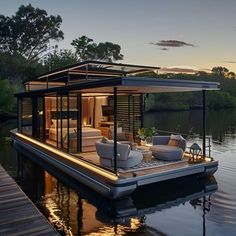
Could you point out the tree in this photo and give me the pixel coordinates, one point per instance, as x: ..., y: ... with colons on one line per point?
x: 28, y: 32
x: 16, y: 69
x: 83, y: 47
x: 61, y: 58
x: 86, y: 49
x: 219, y: 70
x: 7, y: 99
x: 231, y: 75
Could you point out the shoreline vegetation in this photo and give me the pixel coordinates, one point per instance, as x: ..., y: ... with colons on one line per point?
x: 7, y: 115
x: 215, y: 100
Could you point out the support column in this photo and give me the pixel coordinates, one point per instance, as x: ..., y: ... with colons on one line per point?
x: 204, y: 123
x: 115, y: 129
x: 44, y: 119
x: 61, y: 119
x: 19, y: 114
x: 141, y: 109
x: 34, y: 117
x: 68, y: 122
x: 79, y: 122
x: 57, y: 101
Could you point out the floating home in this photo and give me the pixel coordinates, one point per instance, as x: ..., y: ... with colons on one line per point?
x: 83, y: 119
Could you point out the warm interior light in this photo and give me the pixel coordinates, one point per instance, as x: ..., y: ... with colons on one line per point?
x: 148, y: 145
x: 100, y: 95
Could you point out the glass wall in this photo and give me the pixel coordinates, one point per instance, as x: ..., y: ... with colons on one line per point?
x: 26, y: 116
x: 74, y: 122
x: 19, y: 114
x: 62, y: 121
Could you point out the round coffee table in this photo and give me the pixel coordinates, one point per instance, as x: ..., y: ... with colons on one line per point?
x: 147, y: 154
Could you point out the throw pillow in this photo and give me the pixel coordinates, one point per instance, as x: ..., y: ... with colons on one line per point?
x: 121, y: 137
x: 175, y: 136
x: 174, y: 140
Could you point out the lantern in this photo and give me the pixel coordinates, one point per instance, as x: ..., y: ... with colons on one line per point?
x: 195, y: 151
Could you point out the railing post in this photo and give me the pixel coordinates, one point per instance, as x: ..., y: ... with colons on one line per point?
x: 204, y: 122
x: 115, y: 129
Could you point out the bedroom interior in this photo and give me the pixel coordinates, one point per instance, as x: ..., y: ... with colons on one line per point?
x: 97, y: 120
x: 59, y: 119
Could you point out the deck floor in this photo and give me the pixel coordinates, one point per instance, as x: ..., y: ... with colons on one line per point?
x: 93, y: 158
x: 18, y: 215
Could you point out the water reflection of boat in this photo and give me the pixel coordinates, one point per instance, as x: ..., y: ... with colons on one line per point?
x: 74, y: 207
x: 146, y: 201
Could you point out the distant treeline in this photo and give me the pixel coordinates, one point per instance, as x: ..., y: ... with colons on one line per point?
x: 224, y: 98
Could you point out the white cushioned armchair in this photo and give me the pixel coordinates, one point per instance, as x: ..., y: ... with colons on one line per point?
x: 126, y: 158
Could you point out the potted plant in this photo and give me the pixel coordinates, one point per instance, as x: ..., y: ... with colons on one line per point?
x: 145, y: 135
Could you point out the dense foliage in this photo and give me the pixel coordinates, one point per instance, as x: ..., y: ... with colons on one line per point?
x: 84, y: 49
x: 225, y: 98
x: 7, y: 100
x: 28, y: 32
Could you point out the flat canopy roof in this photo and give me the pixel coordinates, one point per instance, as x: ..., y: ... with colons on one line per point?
x: 129, y: 85
x: 155, y: 85
x: 93, y: 69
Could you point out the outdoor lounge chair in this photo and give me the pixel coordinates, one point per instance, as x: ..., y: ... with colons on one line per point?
x: 168, y: 148
x: 126, y: 158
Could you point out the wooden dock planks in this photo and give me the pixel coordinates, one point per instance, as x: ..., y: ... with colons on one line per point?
x: 18, y: 215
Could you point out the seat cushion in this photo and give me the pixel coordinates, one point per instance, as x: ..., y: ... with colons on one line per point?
x: 173, y: 142
x: 134, y: 159
x: 167, y: 152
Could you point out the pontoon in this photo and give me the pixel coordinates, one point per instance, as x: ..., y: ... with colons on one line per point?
x: 64, y: 115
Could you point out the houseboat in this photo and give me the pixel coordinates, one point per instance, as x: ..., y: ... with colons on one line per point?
x: 83, y: 119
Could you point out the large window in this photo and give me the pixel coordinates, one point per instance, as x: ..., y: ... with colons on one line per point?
x: 26, y: 116
x: 62, y: 121
x: 74, y: 122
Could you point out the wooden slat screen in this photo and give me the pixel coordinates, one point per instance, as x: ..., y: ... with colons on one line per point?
x: 129, y: 109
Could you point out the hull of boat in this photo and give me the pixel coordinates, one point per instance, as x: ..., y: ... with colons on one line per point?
x: 104, y: 182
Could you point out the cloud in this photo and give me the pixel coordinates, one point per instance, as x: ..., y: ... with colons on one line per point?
x: 230, y: 62
x: 172, y: 43
x: 182, y: 69
x: 164, y: 49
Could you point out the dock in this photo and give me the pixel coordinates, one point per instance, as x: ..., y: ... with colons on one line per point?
x: 18, y: 215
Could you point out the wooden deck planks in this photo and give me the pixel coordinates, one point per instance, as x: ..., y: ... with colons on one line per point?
x: 18, y: 215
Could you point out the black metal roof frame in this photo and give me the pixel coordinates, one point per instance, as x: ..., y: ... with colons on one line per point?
x: 93, y: 69
x: 86, y: 84
x: 103, y: 76
x: 126, y: 84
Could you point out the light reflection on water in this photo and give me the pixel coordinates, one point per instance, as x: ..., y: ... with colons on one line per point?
x: 182, y: 209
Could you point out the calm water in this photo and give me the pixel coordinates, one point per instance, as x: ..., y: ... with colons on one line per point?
x: 187, y: 207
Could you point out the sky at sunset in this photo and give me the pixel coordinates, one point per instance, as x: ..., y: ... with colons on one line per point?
x: 169, y: 33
